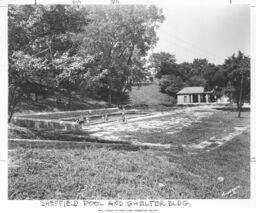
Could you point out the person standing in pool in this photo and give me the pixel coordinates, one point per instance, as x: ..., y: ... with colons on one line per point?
x: 81, y: 120
x: 87, y: 120
x: 123, y: 115
x: 106, y: 117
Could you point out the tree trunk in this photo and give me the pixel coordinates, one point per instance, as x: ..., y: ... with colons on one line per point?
x: 11, y: 111
x: 129, y: 61
x: 36, y: 97
x: 237, y: 105
x: 28, y: 96
x: 240, y: 98
x: 11, y: 106
x: 232, y: 102
x: 239, y: 110
x: 109, y: 97
x: 69, y: 99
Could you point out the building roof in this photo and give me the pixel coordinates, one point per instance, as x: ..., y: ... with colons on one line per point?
x: 192, y: 90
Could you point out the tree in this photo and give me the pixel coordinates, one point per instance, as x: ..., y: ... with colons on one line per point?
x: 184, y: 70
x: 163, y: 63
x: 175, y: 76
x: 199, y: 66
x: 22, y: 68
x: 196, y: 81
x: 44, y: 30
x: 171, y: 84
x: 199, y: 72
x: 79, y: 47
x: 237, y: 70
x: 71, y: 72
x: 213, y: 76
x: 41, y: 33
x: 119, y: 37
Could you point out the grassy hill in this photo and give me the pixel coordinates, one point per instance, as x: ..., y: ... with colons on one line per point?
x: 143, y: 95
x: 149, y: 95
x: 49, y: 104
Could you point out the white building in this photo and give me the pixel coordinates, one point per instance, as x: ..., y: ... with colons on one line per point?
x: 193, y: 95
x: 223, y: 100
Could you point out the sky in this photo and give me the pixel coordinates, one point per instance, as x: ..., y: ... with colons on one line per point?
x: 214, y: 32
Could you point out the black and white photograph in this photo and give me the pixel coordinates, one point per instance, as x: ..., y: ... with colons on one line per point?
x: 129, y: 101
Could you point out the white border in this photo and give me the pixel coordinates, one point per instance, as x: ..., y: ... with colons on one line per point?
x: 35, y: 205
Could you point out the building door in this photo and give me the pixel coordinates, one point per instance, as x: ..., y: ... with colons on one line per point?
x: 185, y: 99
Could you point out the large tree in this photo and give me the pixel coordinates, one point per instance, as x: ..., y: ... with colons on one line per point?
x: 119, y: 37
x: 37, y: 36
x: 72, y: 47
x: 199, y: 66
x: 71, y: 71
x: 162, y: 63
x: 171, y: 84
x: 237, y: 71
x: 22, y: 69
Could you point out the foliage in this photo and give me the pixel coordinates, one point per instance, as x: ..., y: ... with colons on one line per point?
x: 92, y: 48
x: 44, y: 30
x: 199, y: 67
x: 237, y: 71
x: 36, y: 35
x: 171, y: 84
x: 162, y: 63
x: 231, y: 79
x: 119, y: 37
x: 175, y: 76
x: 71, y: 71
x: 196, y: 80
x: 23, y: 69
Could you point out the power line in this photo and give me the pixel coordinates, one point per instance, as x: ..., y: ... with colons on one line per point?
x: 196, y: 51
x: 193, y: 45
x: 199, y: 52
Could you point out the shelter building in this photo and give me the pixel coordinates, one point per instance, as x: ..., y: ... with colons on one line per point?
x: 194, y: 95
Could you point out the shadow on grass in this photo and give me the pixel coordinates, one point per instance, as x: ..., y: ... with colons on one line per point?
x: 231, y: 109
x: 74, y: 139
x: 72, y: 145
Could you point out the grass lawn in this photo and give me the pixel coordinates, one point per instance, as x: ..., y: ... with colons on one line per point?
x: 101, y: 173
x: 149, y: 95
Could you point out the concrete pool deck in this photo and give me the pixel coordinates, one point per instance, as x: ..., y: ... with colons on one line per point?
x: 171, y: 122
x: 156, y: 130
x: 164, y: 123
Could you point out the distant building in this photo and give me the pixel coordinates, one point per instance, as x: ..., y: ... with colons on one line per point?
x: 194, y: 95
x: 223, y: 100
